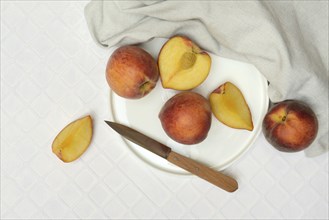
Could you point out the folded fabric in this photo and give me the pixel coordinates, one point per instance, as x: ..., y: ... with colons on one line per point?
x: 286, y: 40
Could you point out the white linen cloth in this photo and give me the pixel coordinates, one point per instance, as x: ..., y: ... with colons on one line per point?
x: 286, y: 40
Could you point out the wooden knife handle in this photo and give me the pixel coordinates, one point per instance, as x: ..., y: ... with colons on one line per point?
x: 225, y: 182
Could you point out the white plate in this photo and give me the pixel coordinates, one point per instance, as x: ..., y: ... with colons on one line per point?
x: 223, y: 145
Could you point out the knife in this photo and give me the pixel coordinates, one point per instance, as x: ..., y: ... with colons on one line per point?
x: 218, y: 179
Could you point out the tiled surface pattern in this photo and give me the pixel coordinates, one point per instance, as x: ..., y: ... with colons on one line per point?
x: 51, y: 73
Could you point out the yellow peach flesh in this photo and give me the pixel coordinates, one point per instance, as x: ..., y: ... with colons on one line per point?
x: 182, y: 64
x: 229, y: 107
x: 73, y: 140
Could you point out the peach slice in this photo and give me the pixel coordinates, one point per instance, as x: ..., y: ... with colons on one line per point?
x: 74, y: 139
x: 229, y: 107
x: 182, y: 64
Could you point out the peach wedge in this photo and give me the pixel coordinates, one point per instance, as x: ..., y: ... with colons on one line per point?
x: 229, y: 107
x: 74, y: 139
x: 182, y: 64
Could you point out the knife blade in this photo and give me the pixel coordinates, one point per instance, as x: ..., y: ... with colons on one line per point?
x: 217, y: 178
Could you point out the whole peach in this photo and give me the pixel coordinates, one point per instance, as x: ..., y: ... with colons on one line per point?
x: 131, y: 72
x: 186, y: 118
x: 290, y: 126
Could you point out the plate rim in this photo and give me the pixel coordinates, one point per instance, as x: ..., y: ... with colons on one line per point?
x: 180, y: 171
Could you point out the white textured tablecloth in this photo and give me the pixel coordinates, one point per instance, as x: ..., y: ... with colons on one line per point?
x: 52, y: 72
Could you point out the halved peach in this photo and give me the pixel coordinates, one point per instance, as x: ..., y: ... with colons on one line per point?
x: 229, y: 107
x: 74, y: 139
x: 182, y: 64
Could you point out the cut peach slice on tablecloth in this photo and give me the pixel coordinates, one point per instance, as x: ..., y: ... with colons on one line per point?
x: 230, y: 107
x: 182, y: 64
x: 74, y: 139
